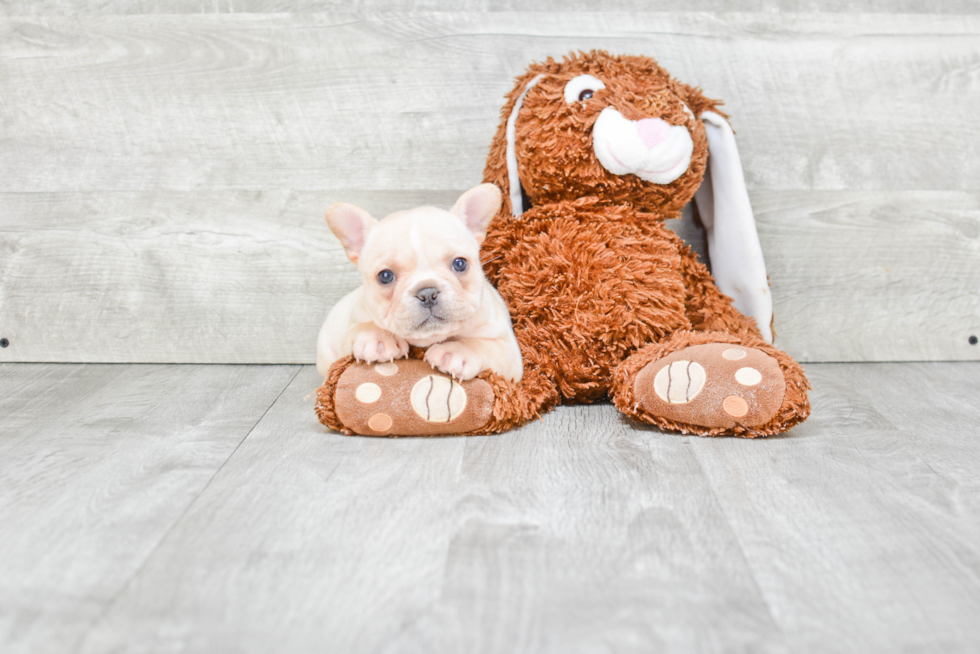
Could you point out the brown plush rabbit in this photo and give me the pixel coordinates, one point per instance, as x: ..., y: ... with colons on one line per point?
x: 593, y: 153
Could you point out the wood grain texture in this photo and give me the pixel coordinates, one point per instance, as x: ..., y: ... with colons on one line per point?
x: 890, y: 276
x: 866, y: 520
x: 99, y: 463
x: 857, y: 531
x: 342, y: 539
x: 574, y: 533
x: 248, y: 276
x: 396, y: 101
x: 165, y: 176
x: 103, y: 7
x: 164, y: 276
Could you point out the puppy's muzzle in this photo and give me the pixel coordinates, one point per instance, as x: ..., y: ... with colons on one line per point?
x: 428, y: 296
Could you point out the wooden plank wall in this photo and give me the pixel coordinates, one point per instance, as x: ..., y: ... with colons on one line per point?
x: 164, y: 165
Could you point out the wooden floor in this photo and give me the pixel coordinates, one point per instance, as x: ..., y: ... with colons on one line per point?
x: 156, y: 508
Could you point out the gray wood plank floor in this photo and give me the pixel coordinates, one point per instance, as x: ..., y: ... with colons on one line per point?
x: 150, y: 508
x: 98, y: 465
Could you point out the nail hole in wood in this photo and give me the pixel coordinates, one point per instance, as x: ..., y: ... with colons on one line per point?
x: 972, y: 339
x: 4, y: 342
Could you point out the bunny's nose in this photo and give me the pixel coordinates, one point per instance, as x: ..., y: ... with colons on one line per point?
x: 653, y: 131
x: 427, y: 296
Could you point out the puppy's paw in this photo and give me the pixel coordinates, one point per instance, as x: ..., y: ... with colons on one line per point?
x: 456, y: 359
x: 377, y: 345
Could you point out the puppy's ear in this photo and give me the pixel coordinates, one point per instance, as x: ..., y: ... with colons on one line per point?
x: 477, y: 207
x: 351, y: 225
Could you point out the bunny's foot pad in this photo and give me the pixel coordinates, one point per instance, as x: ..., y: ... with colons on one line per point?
x: 719, y: 385
x: 408, y: 397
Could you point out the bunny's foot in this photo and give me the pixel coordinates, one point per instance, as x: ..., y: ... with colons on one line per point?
x: 719, y: 385
x: 406, y: 397
x: 713, y: 384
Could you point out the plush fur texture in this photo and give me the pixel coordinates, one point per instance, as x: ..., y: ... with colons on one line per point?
x: 554, y: 139
x: 597, y: 286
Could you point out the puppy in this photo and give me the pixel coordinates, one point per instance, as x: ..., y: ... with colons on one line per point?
x: 423, y: 286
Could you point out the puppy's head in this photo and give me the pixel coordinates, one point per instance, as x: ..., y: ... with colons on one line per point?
x: 421, y: 267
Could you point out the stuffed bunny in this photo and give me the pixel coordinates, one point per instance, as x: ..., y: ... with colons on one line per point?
x: 592, y: 155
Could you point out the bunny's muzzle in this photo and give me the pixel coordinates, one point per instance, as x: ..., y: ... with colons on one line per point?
x: 652, y: 149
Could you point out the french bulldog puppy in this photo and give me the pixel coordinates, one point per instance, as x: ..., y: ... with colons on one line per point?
x: 423, y: 286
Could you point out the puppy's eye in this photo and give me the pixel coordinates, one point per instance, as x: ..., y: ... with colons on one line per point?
x: 386, y: 277
x: 460, y: 264
x: 582, y: 88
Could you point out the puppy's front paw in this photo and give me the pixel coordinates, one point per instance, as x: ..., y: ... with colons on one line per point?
x: 454, y: 358
x: 376, y: 345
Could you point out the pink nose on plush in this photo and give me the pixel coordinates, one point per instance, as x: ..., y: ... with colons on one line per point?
x: 653, y: 131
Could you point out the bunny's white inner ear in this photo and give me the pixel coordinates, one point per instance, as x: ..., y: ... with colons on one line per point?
x: 516, y: 201
x: 733, y: 242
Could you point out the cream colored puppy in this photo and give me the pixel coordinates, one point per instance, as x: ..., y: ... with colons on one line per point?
x: 423, y: 286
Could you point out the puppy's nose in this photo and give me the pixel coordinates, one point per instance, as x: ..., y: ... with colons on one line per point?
x: 427, y: 296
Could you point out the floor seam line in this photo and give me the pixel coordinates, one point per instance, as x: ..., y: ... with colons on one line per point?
x: 738, y: 542
x: 136, y: 573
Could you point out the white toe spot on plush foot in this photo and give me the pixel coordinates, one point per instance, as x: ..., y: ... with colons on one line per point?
x: 368, y: 393
x: 387, y: 369
x: 680, y: 382
x: 734, y: 354
x: 748, y: 376
x: 735, y: 406
x: 438, y: 399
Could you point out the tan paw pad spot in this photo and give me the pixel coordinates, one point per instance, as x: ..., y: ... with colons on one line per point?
x: 368, y: 393
x: 734, y: 353
x: 380, y: 422
x: 387, y: 369
x: 735, y: 406
x: 438, y: 399
x: 748, y: 376
x: 680, y: 382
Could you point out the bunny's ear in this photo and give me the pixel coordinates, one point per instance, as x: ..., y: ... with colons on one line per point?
x: 514, y: 181
x: 733, y: 242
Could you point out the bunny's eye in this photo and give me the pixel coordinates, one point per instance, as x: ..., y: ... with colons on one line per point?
x: 582, y: 88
